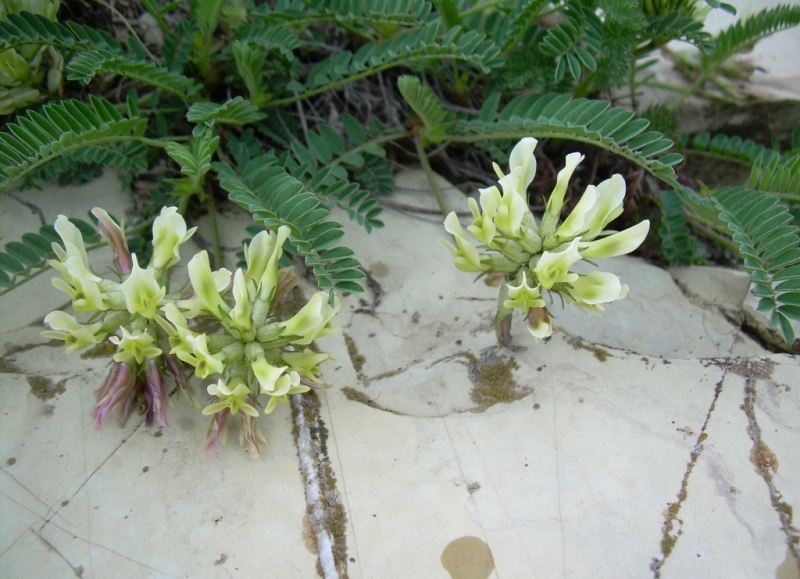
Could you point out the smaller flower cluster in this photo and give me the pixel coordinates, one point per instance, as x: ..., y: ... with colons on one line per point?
x: 254, y: 352
x: 536, y: 257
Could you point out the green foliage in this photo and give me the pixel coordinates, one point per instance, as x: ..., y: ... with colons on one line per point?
x: 377, y: 13
x: 563, y: 41
x: 275, y: 198
x: 676, y: 239
x: 27, y: 28
x: 328, y: 73
x: 731, y: 148
x: 235, y: 111
x: 777, y: 176
x: 559, y: 116
x: 195, y: 160
x: 323, y: 166
x: 270, y: 38
x: 88, y: 65
x: 518, y: 21
x: 744, y: 34
x: 425, y: 103
x: 61, y: 128
x: 768, y: 243
x: 420, y: 46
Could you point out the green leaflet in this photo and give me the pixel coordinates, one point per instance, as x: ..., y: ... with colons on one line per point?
x: 768, y: 243
x: 27, y: 28
x: 86, y: 66
x: 37, y: 138
x: 676, y: 239
x: 275, y: 198
x: 590, y: 121
x: 426, y: 104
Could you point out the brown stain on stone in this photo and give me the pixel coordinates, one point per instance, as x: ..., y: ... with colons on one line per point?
x: 468, y: 558
x: 356, y: 396
x: 222, y: 558
x: 601, y: 354
x: 356, y: 358
x: 789, y: 569
x: 763, y: 458
x: 750, y: 368
x: 492, y: 379
x: 44, y: 388
x: 7, y: 362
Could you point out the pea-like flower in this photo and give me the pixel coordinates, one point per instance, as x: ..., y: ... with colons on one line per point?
x: 137, y: 346
x: 539, y: 256
x: 250, y: 350
x: 77, y: 280
x: 169, y: 233
x: 143, y: 293
x: 233, y: 397
x: 76, y: 335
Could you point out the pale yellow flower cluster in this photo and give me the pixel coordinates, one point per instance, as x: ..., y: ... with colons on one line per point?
x: 538, y: 256
x: 256, y: 353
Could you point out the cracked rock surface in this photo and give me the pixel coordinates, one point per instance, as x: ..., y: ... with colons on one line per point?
x: 656, y: 440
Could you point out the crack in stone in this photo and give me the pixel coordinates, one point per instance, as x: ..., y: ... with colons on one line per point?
x: 764, y: 459
x: 671, y: 530
x: 77, y: 570
x: 377, y: 294
x: 32, y: 206
x: 326, y: 518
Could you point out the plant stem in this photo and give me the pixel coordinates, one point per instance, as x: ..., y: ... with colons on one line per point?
x: 711, y: 234
x: 426, y: 166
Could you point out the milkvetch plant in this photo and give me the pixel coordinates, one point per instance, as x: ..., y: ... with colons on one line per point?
x: 254, y: 355
x: 537, y: 257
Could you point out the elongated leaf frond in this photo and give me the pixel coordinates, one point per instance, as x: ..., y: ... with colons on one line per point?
x: 195, y: 160
x: 590, y: 121
x: 378, y: 13
x: 414, y: 47
x: 75, y: 167
x: 177, y: 45
x: 518, y: 21
x: 426, y: 104
x: 746, y: 32
x: 88, y: 65
x: 575, y: 43
x: 782, y: 179
x: 676, y: 240
x: 236, y: 111
x: 733, y: 148
x: 270, y: 37
x: 346, y: 174
x: 275, y: 198
x: 28, y: 28
x: 768, y: 243
x: 61, y: 128
x: 673, y: 26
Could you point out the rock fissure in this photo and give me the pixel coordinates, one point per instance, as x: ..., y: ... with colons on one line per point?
x: 765, y: 461
x: 671, y: 529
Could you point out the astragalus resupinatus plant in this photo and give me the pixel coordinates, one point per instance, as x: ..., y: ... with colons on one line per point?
x: 534, y: 257
x: 255, y: 358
